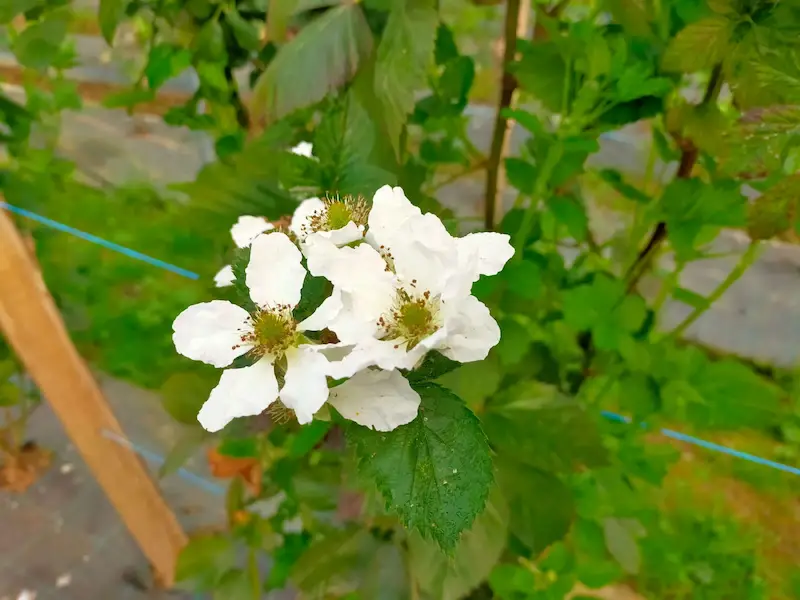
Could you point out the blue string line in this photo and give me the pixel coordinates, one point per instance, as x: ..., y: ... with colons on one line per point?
x: 215, y: 489
x: 157, y: 459
x: 99, y: 241
x: 690, y: 439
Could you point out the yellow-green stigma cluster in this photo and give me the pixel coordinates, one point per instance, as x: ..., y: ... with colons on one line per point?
x: 274, y: 331
x: 412, y: 319
x: 338, y: 212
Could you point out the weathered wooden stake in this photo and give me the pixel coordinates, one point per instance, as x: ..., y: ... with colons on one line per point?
x: 33, y: 327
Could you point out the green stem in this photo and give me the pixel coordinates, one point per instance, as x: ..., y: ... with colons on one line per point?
x: 552, y: 157
x: 666, y: 288
x: 745, y: 262
x: 255, y: 576
x: 688, y: 158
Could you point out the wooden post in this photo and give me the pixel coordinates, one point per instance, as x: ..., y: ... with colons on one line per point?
x: 33, y: 327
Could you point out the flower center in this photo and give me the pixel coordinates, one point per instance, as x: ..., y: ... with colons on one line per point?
x: 274, y: 331
x: 338, y: 212
x: 413, y: 318
x: 338, y: 215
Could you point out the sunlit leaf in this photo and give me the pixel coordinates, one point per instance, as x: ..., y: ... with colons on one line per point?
x: 323, y: 57
x: 405, y: 51
x: 435, y: 472
x: 452, y: 577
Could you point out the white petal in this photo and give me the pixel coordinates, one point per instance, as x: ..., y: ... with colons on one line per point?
x: 359, y: 275
x: 390, y: 209
x: 268, y: 507
x: 305, y: 389
x: 224, y: 277
x: 350, y: 269
x: 493, y: 250
x: 357, y: 320
x: 211, y: 332
x: 294, y: 525
x: 472, y: 331
x: 275, y: 274
x: 324, y: 315
x: 423, y: 251
x: 365, y: 354
x: 344, y: 235
x: 301, y: 224
x: 386, y: 354
x: 478, y: 254
x: 247, y: 228
x: 304, y: 149
x: 380, y: 400
x: 240, y: 393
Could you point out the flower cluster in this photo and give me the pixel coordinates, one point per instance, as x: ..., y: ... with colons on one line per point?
x: 400, y: 287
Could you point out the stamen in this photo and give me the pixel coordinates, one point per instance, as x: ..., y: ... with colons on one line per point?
x: 412, y: 318
x: 273, y: 331
x: 336, y: 213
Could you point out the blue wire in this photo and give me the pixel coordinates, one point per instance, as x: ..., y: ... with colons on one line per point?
x: 690, y: 439
x: 217, y: 490
x: 99, y: 241
x: 157, y: 459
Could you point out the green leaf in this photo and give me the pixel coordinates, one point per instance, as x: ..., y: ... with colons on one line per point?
x: 445, y: 49
x: 699, y: 45
x: 541, y: 505
x: 621, y: 543
x: 541, y: 71
x: 183, y: 394
x: 315, y: 291
x: 109, y: 14
x: 452, y: 577
x: 278, y: 16
x: 615, y: 179
x: 515, y: 341
x: 689, y: 207
x: 209, y: 43
x: 234, y: 585
x: 343, y: 143
x: 307, y: 438
x: 433, y: 366
x: 569, y: 212
x: 403, y: 56
x: 474, y: 382
x: 334, y: 562
x: 512, y: 582
x: 524, y: 278
x: 128, y: 98
x: 603, y: 308
x: 521, y: 174
x: 241, y: 258
x: 632, y: 15
x: 244, y: 31
x: 283, y: 560
x: 11, y: 8
x: 435, y: 472
x: 39, y: 44
x: 456, y: 81
x: 188, y: 443
x: 543, y: 429
x: 386, y: 577
x: 239, y: 448
x: 341, y: 35
x: 775, y: 211
x: 203, y: 560
x: 165, y: 62
x: 248, y: 182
